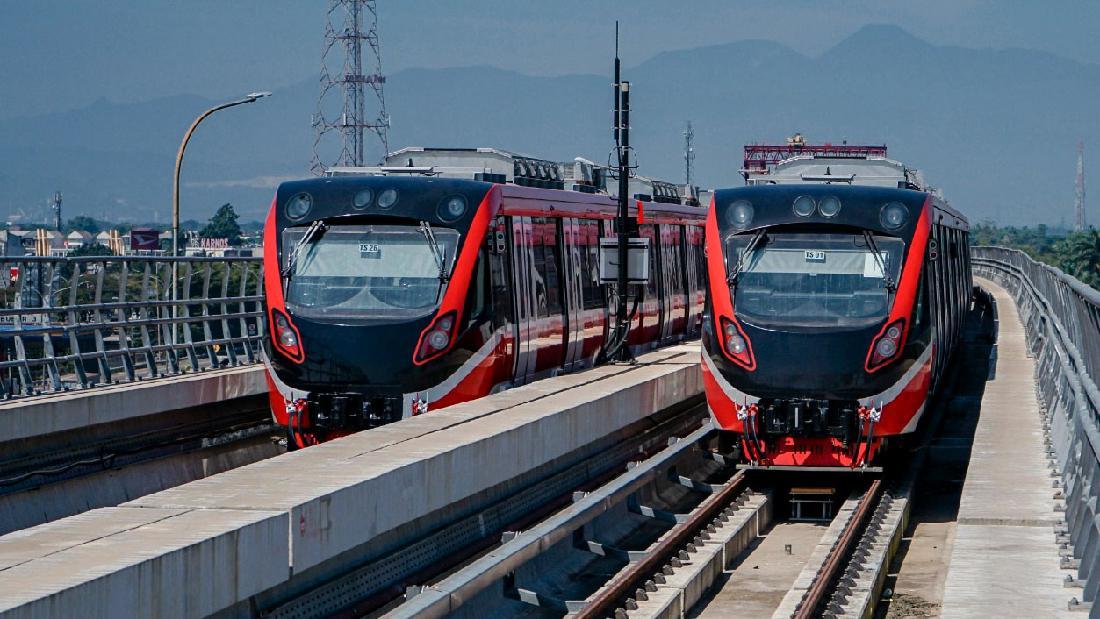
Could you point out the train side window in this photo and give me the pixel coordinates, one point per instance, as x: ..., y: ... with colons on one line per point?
x: 548, y: 264
x: 589, y: 245
x: 478, y: 291
x: 700, y: 260
x: 920, y: 308
x: 648, y: 232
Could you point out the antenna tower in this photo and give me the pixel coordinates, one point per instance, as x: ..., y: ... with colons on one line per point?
x: 55, y: 204
x: 689, y: 153
x: 1079, y: 193
x: 344, y: 34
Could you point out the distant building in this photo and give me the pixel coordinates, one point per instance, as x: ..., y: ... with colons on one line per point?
x: 78, y: 239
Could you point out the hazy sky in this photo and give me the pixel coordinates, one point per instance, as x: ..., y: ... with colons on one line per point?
x: 59, y: 54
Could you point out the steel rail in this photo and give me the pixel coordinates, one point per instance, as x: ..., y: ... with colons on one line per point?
x: 822, y: 585
x: 622, y: 584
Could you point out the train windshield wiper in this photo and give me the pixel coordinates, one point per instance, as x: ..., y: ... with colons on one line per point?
x: 312, y: 234
x: 760, y: 236
x: 437, y: 252
x: 880, y: 258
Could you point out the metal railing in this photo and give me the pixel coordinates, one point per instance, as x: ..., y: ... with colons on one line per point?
x: 80, y: 323
x: 1062, y: 319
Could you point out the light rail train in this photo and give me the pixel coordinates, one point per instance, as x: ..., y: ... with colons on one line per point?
x: 837, y: 287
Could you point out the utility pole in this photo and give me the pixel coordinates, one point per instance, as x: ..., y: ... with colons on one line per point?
x: 1079, y: 192
x: 55, y: 204
x: 689, y: 153
x: 625, y: 227
x: 345, y: 30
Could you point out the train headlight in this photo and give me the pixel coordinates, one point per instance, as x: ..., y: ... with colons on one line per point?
x: 804, y: 206
x: 829, y: 206
x: 739, y: 214
x: 436, y: 339
x: 299, y: 206
x: 387, y: 198
x: 886, y: 346
x: 362, y: 199
x: 286, y: 337
x: 893, y: 215
x: 735, y: 345
x: 450, y: 209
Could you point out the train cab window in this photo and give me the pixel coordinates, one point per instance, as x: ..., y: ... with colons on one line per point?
x: 383, y: 272
x: 798, y: 279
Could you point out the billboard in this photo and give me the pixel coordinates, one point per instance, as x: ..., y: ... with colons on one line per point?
x: 144, y: 239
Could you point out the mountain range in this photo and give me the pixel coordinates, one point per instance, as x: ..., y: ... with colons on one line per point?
x: 995, y: 129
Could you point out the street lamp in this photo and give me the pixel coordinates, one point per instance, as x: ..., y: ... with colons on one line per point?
x: 249, y: 98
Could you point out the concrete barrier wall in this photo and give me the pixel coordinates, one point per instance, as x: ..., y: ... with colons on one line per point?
x: 31, y: 417
x: 335, y: 498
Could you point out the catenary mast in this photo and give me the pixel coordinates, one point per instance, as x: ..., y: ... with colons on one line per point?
x: 344, y: 32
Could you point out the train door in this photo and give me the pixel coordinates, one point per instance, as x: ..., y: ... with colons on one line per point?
x: 651, y: 310
x: 677, y: 282
x: 573, y: 272
x: 523, y: 298
x: 665, y: 286
x: 593, y: 294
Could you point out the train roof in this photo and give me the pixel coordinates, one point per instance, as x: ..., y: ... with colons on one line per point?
x: 875, y: 171
x: 502, y: 166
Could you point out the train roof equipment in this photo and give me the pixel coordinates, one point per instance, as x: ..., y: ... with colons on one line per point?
x: 496, y: 165
x: 799, y: 162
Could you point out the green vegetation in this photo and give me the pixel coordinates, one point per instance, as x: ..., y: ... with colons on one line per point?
x: 85, y: 224
x: 1076, y: 253
x: 223, y: 225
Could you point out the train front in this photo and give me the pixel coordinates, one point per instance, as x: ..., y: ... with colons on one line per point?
x: 366, y: 281
x: 816, y: 349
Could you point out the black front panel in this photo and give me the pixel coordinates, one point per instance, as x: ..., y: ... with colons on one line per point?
x: 774, y: 205
x: 417, y: 198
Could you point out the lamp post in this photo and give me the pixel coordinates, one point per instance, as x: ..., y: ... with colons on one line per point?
x: 249, y: 98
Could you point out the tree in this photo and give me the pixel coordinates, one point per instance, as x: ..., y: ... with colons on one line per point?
x: 223, y: 225
x: 85, y: 223
x: 1079, y: 255
x: 91, y: 249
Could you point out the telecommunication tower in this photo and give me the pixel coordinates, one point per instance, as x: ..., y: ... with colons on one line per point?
x: 55, y: 204
x: 689, y: 153
x: 1079, y: 193
x: 344, y: 35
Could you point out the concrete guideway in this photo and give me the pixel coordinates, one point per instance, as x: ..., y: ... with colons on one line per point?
x: 36, y: 416
x: 1004, y: 558
x: 207, y: 545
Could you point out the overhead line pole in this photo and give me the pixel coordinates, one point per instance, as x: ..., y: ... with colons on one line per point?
x: 622, y: 145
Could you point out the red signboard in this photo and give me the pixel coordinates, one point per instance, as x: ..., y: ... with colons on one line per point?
x: 144, y: 239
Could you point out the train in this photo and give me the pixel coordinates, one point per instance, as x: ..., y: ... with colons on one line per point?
x: 446, y: 275
x: 838, y: 282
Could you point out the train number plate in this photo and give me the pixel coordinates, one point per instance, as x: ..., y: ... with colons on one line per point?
x: 815, y: 255
x: 369, y: 250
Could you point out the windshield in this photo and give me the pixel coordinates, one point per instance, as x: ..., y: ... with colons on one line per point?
x: 813, y: 279
x: 367, y: 271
